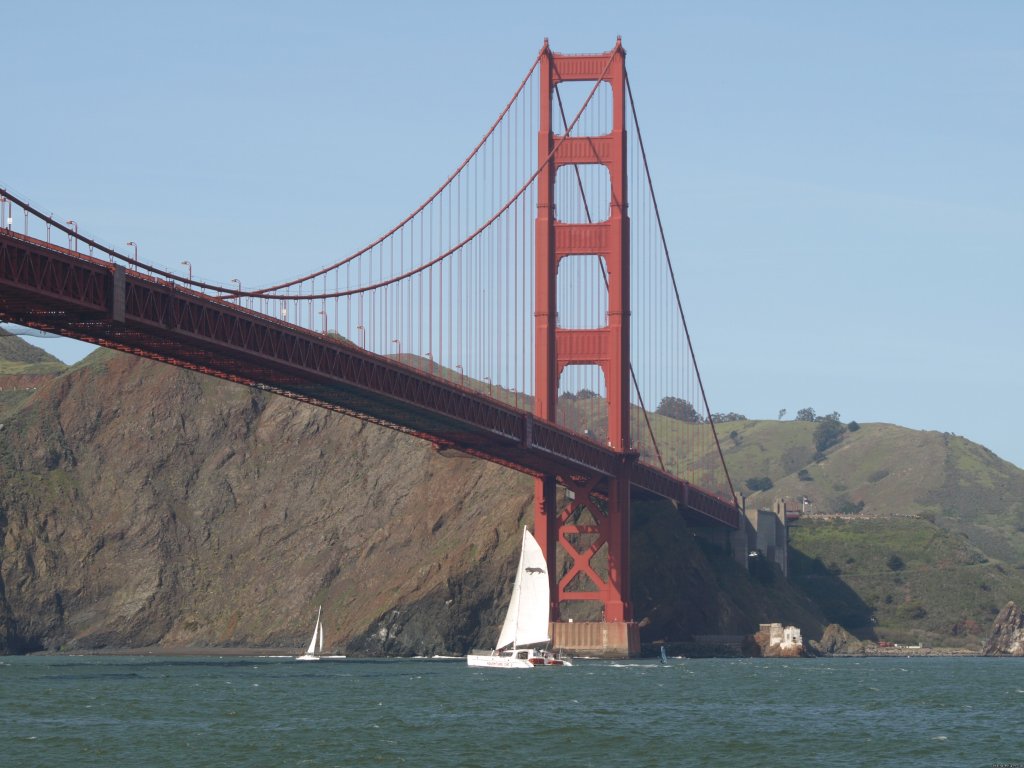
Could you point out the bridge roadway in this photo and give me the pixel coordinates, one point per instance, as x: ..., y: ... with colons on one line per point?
x: 58, y: 290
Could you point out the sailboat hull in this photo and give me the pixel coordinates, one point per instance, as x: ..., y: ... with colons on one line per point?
x: 518, y: 659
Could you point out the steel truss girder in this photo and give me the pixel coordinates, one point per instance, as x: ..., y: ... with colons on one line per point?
x: 54, y: 289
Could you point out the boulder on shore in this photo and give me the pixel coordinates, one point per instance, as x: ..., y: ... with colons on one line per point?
x: 1007, y: 637
x: 837, y: 641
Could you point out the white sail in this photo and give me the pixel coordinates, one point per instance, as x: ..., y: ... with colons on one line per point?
x: 526, y: 622
x: 318, y: 634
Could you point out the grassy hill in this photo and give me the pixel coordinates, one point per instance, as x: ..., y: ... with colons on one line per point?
x: 902, y: 579
x: 22, y: 368
x: 911, y: 536
x: 17, y: 357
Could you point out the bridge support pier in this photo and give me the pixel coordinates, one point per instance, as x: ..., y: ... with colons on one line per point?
x: 586, y: 545
x: 600, y: 639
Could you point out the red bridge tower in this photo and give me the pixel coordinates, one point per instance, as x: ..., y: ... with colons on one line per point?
x: 592, y: 528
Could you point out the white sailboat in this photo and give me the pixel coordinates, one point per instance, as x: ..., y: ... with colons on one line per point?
x: 316, y: 645
x: 524, y: 635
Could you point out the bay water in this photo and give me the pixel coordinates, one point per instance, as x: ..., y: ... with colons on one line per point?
x: 260, y: 711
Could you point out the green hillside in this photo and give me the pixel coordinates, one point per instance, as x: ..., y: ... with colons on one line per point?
x: 22, y: 367
x: 901, y: 579
x: 911, y: 536
x: 882, y: 470
x: 17, y: 357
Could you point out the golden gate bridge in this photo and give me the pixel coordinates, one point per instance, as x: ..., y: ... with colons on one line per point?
x: 527, y: 312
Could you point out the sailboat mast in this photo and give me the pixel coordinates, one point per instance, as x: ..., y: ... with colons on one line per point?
x: 519, y: 592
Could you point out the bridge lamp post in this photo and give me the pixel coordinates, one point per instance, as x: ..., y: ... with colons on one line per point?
x: 134, y: 245
x: 323, y: 314
x: 398, y: 344
x: 462, y: 374
x: 430, y: 357
x: 238, y: 282
x: 490, y: 385
x: 362, y: 336
x: 188, y: 264
x: 73, y: 224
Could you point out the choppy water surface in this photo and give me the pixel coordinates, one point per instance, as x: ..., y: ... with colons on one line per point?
x: 164, y: 711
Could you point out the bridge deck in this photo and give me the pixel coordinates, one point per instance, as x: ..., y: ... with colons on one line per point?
x: 47, y: 287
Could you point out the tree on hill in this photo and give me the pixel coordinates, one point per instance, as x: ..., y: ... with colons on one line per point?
x: 721, y: 418
x: 679, y: 409
x: 805, y: 414
x: 828, y: 432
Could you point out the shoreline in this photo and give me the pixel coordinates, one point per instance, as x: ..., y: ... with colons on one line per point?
x: 905, y: 653
x: 234, y: 651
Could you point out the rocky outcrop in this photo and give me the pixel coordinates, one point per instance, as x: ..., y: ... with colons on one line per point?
x: 18, y: 381
x: 141, y: 504
x: 836, y: 641
x: 1007, y: 638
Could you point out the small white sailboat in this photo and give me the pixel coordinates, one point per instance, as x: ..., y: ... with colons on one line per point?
x: 524, y: 635
x: 316, y: 645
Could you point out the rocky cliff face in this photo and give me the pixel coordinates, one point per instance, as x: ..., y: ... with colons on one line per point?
x: 1007, y: 638
x: 144, y: 505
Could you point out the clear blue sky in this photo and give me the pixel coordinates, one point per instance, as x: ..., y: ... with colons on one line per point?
x: 843, y: 183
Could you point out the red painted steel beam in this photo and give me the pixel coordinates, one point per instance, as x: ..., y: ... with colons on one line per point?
x: 50, y: 288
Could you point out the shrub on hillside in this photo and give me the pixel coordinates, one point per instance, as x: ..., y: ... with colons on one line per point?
x: 849, y: 507
x: 759, y: 483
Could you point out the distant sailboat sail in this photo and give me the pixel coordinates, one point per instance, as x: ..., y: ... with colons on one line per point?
x: 316, y: 644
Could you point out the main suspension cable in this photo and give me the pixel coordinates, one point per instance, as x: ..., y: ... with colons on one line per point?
x: 675, y: 286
